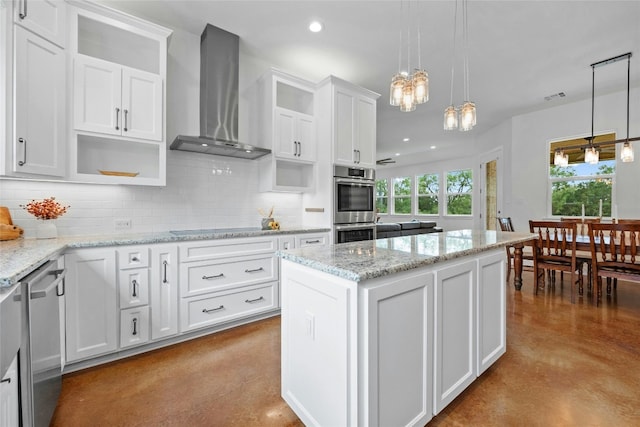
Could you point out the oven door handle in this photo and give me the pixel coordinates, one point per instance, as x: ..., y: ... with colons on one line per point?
x: 355, y: 226
x: 360, y: 182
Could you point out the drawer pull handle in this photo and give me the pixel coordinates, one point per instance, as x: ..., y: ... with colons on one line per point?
x: 211, y: 310
x: 255, y: 270
x: 6, y: 380
x: 135, y: 322
x: 24, y: 152
x: 217, y: 276
x: 134, y: 284
x: 250, y: 301
x: 164, y: 273
x: 117, y: 118
x: 309, y: 242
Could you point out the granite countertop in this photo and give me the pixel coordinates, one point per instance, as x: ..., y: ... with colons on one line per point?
x: 358, y: 261
x: 21, y: 256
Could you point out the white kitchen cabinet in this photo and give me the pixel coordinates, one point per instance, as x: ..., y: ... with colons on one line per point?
x: 116, y: 100
x: 164, y: 291
x: 133, y: 287
x: 284, y: 111
x: 227, y: 280
x: 304, y: 240
x: 40, y: 105
x: 91, y: 303
x: 455, y: 331
x: 134, y: 326
x: 492, y: 310
x: 352, y: 113
x: 119, y: 67
x: 46, y: 18
x: 9, y: 396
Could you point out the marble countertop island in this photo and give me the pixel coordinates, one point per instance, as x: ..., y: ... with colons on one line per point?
x: 21, y: 256
x: 358, y: 261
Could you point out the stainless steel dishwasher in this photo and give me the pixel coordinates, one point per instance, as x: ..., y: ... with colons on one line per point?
x: 40, y: 349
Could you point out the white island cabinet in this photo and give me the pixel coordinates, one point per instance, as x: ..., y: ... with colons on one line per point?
x: 389, y: 332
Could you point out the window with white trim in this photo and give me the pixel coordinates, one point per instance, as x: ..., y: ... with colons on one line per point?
x: 459, y: 192
x: 428, y: 188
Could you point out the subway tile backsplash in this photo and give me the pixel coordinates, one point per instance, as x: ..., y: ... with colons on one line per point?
x: 202, y: 192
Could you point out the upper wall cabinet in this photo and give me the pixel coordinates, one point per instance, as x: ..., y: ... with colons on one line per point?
x: 39, y: 106
x: 284, y: 111
x: 353, y: 122
x: 47, y: 18
x: 119, y: 72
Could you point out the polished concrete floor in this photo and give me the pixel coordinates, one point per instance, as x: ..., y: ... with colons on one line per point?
x: 566, y: 365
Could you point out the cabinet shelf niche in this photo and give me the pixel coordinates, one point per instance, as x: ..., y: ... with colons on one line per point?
x: 95, y: 154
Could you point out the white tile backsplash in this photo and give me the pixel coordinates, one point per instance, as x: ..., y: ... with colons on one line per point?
x: 202, y: 192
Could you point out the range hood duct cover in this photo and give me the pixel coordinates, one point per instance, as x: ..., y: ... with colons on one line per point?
x: 219, y: 67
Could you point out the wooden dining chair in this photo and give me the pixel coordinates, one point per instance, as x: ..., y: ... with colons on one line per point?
x: 506, y: 225
x: 615, y: 253
x: 555, y: 250
x: 582, y: 228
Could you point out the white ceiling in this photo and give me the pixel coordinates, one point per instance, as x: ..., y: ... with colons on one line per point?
x: 520, y: 52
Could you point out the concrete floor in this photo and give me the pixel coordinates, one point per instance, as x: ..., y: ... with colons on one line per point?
x: 566, y: 365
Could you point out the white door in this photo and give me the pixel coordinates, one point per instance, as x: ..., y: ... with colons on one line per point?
x: 40, y: 119
x: 97, y: 96
x: 141, y: 105
x: 366, y: 123
x: 91, y: 304
x: 344, y: 128
x: 164, y: 291
x: 46, y: 18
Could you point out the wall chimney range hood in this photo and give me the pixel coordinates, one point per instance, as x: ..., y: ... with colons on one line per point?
x: 219, y: 65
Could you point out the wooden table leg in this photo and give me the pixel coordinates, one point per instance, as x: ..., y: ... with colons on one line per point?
x: 517, y: 265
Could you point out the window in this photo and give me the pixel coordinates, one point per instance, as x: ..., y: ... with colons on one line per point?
x: 459, y: 188
x: 402, y: 195
x: 428, y: 188
x: 382, y: 196
x: 582, y: 184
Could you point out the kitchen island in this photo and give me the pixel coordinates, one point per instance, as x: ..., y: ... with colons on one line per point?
x: 388, y: 332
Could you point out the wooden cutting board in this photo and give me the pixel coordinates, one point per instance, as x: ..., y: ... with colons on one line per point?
x: 8, y: 231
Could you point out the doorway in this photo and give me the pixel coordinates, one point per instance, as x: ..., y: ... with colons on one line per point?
x: 491, y: 189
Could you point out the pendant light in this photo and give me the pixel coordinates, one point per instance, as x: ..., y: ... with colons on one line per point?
x: 463, y: 117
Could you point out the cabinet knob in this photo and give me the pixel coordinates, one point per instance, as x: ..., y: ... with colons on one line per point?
x: 135, y: 259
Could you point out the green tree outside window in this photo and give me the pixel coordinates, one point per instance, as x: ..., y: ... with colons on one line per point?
x: 402, y: 195
x: 428, y: 188
x: 382, y: 196
x: 459, y: 192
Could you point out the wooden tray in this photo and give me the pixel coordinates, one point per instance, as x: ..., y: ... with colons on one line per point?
x: 117, y: 173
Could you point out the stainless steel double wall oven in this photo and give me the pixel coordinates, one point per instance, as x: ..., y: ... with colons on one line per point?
x: 354, y: 204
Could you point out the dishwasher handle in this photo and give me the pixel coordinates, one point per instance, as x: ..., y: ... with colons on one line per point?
x: 40, y: 288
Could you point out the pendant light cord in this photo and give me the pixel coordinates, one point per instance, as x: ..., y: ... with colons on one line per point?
x: 453, y: 61
x: 465, y: 39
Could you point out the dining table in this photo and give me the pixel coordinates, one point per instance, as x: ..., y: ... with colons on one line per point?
x: 582, y: 244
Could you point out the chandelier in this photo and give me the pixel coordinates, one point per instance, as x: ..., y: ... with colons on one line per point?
x: 408, y: 90
x: 462, y: 117
x: 591, y: 150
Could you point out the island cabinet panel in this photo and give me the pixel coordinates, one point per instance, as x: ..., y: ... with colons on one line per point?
x: 318, y: 347
x: 398, y: 344
x: 492, y: 310
x: 455, y: 331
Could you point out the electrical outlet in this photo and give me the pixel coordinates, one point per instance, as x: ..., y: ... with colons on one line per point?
x: 122, y: 223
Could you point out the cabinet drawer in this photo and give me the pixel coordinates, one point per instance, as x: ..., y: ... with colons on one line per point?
x: 226, y: 248
x: 206, y: 276
x: 134, y: 287
x: 208, y: 310
x: 133, y: 257
x: 311, y: 240
x: 134, y: 326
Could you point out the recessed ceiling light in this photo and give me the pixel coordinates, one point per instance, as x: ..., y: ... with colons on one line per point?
x: 205, y: 145
x: 433, y: 147
x: 397, y: 154
x: 406, y: 139
x: 315, y: 26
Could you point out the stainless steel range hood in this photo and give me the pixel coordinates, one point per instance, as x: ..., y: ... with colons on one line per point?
x: 219, y: 65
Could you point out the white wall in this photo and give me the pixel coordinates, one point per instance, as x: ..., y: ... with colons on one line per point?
x: 196, y: 196
x: 531, y: 134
